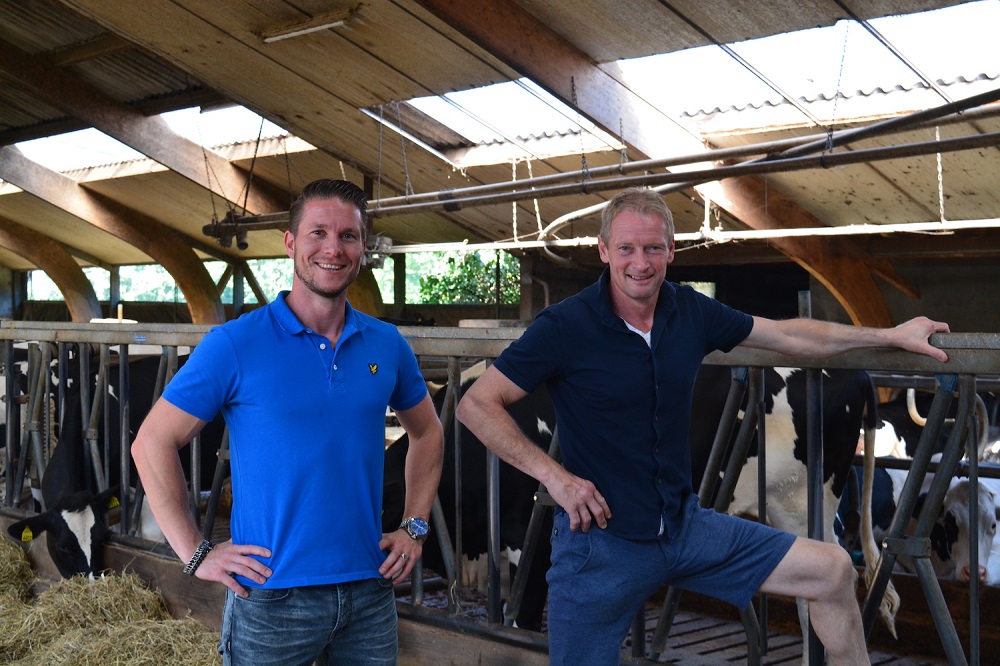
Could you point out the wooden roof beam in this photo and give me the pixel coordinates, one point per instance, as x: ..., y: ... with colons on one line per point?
x: 150, y: 136
x: 521, y: 41
x: 156, y: 239
x: 58, y: 264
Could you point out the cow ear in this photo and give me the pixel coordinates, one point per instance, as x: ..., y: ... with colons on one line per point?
x: 26, y: 530
x: 105, y: 500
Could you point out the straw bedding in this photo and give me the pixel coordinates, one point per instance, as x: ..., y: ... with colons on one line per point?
x: 113, y: 620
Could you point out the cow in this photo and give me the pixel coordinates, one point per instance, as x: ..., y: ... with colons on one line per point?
x: 535, y: 415
x: 847, y: 396
x: 76, y: 517
x: 902, y: 420
x: 949, y: 537
x: 77, y: 502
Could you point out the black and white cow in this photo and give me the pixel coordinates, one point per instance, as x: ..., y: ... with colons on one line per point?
x: 536, y: 417
x: 76, y: 520
x: 902, y: 419
x: 847, y: 396
x: 950, y: 555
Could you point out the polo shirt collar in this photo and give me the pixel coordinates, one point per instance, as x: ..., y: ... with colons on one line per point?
x: 291, y: 324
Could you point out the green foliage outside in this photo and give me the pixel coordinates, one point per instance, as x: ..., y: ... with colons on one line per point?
x: 469, y: 279
x: 431, y: 277
x: 437, y: 277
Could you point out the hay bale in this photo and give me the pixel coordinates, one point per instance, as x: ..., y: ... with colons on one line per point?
x: 79, y: 603
x: 16, y: 574
x: 143, y: 643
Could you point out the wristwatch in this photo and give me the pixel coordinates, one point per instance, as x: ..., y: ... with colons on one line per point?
x: 416, y: 527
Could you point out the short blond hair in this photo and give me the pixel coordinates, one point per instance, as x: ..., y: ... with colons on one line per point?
x: 640, y: 200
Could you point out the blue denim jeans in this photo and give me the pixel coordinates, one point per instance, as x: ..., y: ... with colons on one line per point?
x: 599, y: 581
x: 346, y: 623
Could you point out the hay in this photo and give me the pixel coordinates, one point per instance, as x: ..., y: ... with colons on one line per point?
x: 79, y: 603
x: 78, y: 622
x: 16, y: 575
x: 142, y: 643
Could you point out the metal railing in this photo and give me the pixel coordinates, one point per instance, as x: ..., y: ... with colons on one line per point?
x: 971, y: 355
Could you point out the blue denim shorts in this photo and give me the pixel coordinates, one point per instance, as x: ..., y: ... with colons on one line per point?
x: 354, y: 621
x: 598, y: 581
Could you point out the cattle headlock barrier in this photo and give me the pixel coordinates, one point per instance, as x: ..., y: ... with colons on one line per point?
x: 28, y: 351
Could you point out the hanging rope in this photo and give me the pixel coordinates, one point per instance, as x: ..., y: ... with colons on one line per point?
x: 253, y: 163
x: 538, y: 214
x: 940, y: 175
x: 513, y: 204
x: 706, y: 226
x: 623, y: 156
x: 836, y: 96
x: 402, y: 144
x: 378, y: 176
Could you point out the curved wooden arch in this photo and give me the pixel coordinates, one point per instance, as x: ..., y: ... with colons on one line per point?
x: 835, y: 261
x: 156, y: 239
x: 57, y: 263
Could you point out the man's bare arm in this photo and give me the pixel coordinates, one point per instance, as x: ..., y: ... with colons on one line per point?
x: 815, y: 338
x: 164, y: 432
x: 483, y: 411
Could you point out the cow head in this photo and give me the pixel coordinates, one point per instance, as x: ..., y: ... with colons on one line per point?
x: 76, y: 528
x: 950, y: 535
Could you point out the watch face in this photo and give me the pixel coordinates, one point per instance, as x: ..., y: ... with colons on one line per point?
x: 417, y: 527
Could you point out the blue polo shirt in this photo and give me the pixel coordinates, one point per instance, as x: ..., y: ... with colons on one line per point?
x: 306, y: 435
x: 623, y: 407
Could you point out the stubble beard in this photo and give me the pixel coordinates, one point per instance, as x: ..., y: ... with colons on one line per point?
x: 314, y: 287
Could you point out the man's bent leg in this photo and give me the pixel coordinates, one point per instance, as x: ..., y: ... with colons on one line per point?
x: 597, y: 582
x: 822, y: 574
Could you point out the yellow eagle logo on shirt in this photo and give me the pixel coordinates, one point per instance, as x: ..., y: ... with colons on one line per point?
x: 373, y: 367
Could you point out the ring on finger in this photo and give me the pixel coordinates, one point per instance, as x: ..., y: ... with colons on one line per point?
x: 404, y: 557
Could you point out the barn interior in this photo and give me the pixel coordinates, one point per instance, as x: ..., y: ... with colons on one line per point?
x: 785, y: 177
x: 881, y: 200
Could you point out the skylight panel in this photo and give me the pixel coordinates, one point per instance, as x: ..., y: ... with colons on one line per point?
x: 702, y: 78
x: 91, y: 147
x: 829, y: 73
x: 77, y: 150
x: 218, y: 127
x: 518, y: 115
x: 950, y: 42
x: 823, y: 62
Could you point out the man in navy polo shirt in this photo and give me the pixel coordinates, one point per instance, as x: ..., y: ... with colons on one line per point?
x: 619, y: 360
x: 303, y: 384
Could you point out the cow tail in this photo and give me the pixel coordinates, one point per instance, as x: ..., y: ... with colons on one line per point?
x: 889, y: 605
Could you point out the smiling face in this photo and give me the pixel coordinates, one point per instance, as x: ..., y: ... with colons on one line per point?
x: 638, y: 250
x: 327, y: 246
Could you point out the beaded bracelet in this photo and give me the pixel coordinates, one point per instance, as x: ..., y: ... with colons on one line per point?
x: 199, y: 554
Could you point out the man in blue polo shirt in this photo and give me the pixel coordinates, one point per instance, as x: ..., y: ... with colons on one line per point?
x: 619, y: 360
x: 303, y: 384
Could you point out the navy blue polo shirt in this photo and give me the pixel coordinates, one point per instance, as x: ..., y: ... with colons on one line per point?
x: 623, y: 407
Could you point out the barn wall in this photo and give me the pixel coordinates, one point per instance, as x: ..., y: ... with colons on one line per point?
x: 965, y: 293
